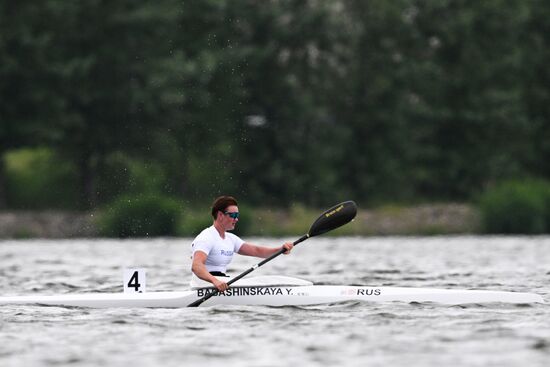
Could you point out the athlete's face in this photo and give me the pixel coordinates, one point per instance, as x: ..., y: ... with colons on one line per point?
x: 230, y: 217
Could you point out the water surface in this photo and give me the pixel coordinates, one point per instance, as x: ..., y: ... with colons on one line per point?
x: 348, y: 334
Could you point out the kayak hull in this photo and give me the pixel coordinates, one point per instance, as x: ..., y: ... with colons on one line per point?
x: 276, y: 296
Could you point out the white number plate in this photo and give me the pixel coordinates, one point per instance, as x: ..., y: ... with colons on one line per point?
x: 134, y: 280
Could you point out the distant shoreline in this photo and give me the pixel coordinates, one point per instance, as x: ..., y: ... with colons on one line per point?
x: 427, y: 219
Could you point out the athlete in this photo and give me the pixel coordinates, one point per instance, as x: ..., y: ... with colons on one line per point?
x: 214, y: 247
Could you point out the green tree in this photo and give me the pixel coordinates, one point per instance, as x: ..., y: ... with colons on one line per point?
x: 436, y: 97
x: 479, y: 128
x: 27, y: 108
x: 280, y: 101
x: 109, y: 57
x: 536, y: 94
x: 285, y: 56
x: 379, y: 99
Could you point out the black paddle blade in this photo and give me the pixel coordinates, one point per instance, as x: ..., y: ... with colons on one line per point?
x: 333, y: 218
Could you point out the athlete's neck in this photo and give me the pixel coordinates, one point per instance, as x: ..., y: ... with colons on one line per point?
x: 220, y: 229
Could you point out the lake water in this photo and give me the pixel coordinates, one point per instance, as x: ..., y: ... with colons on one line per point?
x: 347, y: 334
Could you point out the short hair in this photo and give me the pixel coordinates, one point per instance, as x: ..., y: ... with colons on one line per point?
x: 221, y: 203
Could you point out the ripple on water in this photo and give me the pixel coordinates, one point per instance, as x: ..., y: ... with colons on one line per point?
x: 349, y: 333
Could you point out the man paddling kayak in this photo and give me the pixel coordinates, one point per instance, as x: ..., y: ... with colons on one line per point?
x: 214, y: 247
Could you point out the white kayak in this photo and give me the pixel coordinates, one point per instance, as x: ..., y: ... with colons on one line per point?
x: 269, y: 291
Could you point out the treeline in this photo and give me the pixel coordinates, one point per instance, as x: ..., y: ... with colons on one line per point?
x: 276, y: 102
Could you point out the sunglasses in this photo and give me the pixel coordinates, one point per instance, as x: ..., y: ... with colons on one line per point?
x: 233, y: 215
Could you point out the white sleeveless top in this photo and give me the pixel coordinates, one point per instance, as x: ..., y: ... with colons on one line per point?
x: 219, y: 250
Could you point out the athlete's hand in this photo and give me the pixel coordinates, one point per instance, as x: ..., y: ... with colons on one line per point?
x: 221, y: 286
x: 288, y: 247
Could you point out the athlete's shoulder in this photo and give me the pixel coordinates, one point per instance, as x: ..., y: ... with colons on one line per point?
x: 206, y: 233
x: 233, y: 237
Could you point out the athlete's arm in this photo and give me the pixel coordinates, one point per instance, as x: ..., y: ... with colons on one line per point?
x: 249, y: 249
x: 199, y: 268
